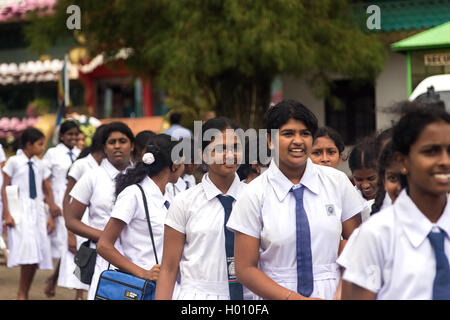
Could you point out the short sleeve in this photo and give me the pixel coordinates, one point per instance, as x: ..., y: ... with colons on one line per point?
x: 246, y: 214
x: 125, y: 207
x: 177, y: 215
x: 47, y: 158
x: 363, y: 259
x: 351, y: 201
x: 76, y: 170
x: 46, y: 173
x: 9, y: 167
x: 83, y: 190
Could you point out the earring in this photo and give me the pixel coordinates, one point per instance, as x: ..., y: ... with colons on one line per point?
x: 404, y: 171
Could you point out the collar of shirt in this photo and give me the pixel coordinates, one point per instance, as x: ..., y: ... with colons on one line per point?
x: 180, y: 184
x: 282, y: 185
x: 64, y: 147
x: 415, y: 224
x: 211, y: 191
x: 91, y: 161
x: 110, y: 169
x: 152, y: 192
x: 33, y: 159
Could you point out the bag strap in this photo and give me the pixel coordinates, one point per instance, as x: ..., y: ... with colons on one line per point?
x: 144, y: 199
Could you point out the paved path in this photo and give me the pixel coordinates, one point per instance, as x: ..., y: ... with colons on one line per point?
x: 9, y: 282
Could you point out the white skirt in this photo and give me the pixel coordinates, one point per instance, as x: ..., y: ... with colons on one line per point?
x: 66, y: 276
x: 190, y: 289
x: 58, y: 237
x: 28, y: 241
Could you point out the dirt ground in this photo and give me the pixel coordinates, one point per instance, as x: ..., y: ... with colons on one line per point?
x: 9, y: 282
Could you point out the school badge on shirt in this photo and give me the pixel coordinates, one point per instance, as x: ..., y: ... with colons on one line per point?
x: 330, y: 209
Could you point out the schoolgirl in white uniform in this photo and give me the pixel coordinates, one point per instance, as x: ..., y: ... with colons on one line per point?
x: 328, y: 148
x: 190, y: 166
x: 128, y: 218
x: 173, y: 189
x: 28, y: 226
x: 194, y: 235
x: 96, y: 191
x: 363, y: 165
x: 58, y: 160
x: 90, y: 158
x: 264, y: 218
x: 403, y: 251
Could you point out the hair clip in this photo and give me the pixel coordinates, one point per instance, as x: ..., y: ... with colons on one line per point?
x: 148, y: 158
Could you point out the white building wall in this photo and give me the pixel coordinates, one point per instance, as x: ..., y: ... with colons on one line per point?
x: 390, y: 87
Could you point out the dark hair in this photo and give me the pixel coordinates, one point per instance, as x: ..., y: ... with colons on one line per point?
x: 381, y: 138
x: 160, y: 146
x: 141, y: 141
x: 30, y: 135
x: 245, y: 168
x: 218, y: 123
x: 363, y: 155
x: 84, y: 153
x: 116, y: 126
x: 333, y: 135
x: 175, y: 118
x: 97, y: 144
x: 385, y: 160
x: 406, y: 106
x: 279, y: 114
x: 408, y: 129
x: 66, y: 126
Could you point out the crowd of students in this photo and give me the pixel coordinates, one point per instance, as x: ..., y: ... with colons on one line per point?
x: 296, y: 228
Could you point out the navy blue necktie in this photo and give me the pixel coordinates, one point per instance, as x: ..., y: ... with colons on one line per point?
x: 305, y: 280
x: 441, y: 284
x: 32, y: 180
x: 188, y: 185
x: 71, y: 155
x: 234, y: 286
x: 167, y: 204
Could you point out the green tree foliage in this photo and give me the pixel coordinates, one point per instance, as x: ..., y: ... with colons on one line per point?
x: 222, y: 55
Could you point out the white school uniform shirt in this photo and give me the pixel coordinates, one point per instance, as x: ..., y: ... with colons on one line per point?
x: 365, y: 213
x: 189, y: 178
x: 28, y: 242
x: 266, y: 210
x: 135, y: 237
x: 81, y: 166
x: 173, y: 189
x: 97, y: 191
x: 58, y: 162
x: 391, y: 254
x: 199, y: 215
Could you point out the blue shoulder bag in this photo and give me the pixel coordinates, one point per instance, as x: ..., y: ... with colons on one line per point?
x: 120, y: 285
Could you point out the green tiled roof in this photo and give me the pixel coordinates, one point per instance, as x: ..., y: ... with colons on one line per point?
x: 404, y: 15
x: 437, y: 37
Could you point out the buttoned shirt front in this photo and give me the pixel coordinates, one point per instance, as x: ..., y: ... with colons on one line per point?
x: 266, y: 210
x: 198, y: 213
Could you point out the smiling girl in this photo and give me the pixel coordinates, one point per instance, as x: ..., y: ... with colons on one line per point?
x: 288, y: 222
x: 402, y: 252
x: 196, y: 242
